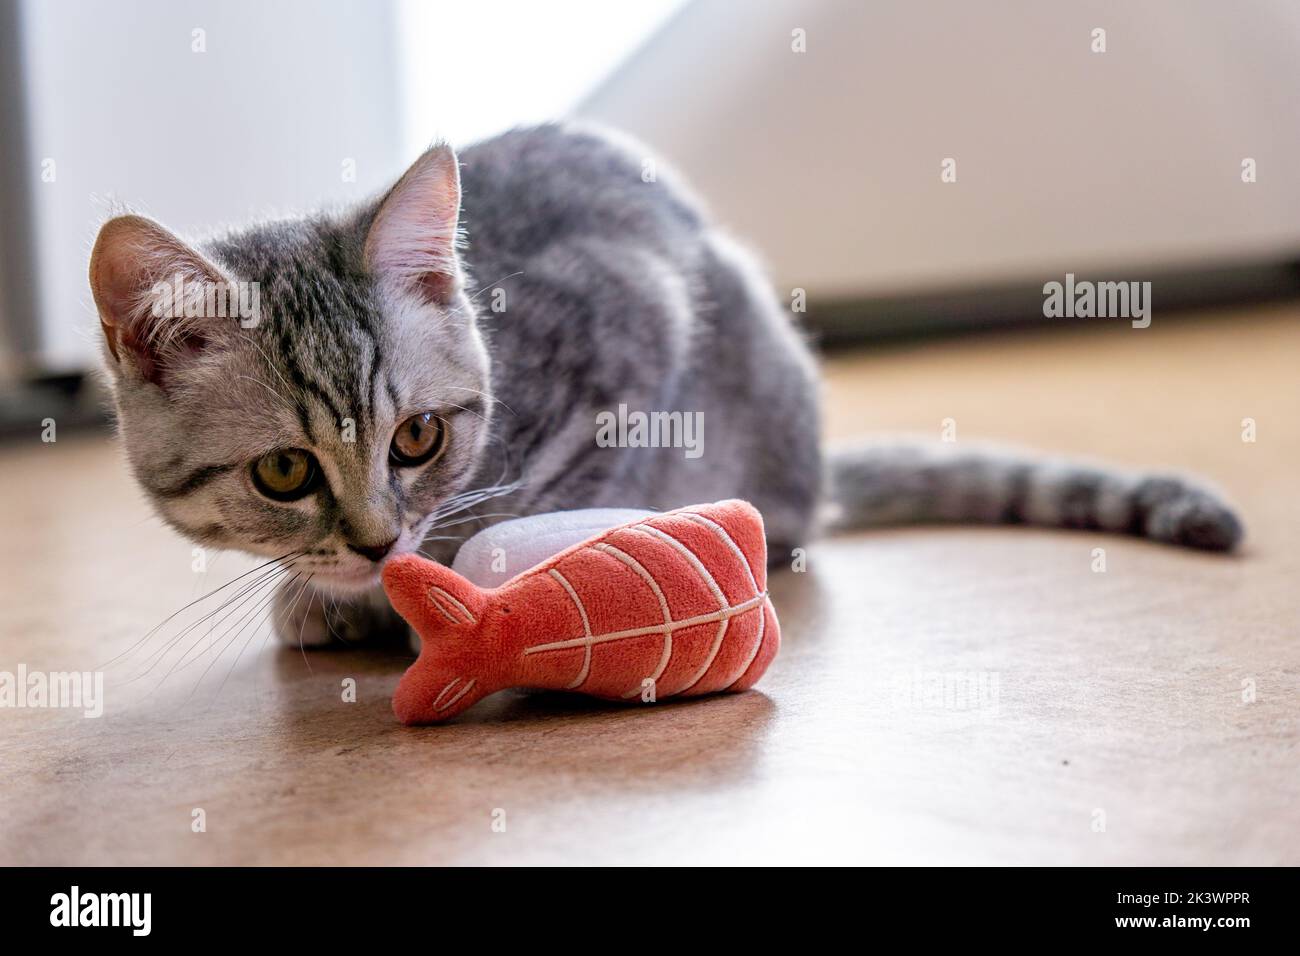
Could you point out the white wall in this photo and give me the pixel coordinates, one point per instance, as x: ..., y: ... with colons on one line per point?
x: 829, y: 160
x: 472, y: 68
x: 262, y: 121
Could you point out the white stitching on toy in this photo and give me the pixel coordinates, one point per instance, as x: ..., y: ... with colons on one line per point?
x: 441, y: 610
x: 713, y: 617
x: 469, y: 618
x: 717, y: 593
x: 443, y: 693
x: 690, y: 556
x: 463, y: 691
x: 728, y: 539
x: 758, y: 643
x: 639, y: 568
x: 586, y: 627
x: 713, y: 653
x: 762, y: 617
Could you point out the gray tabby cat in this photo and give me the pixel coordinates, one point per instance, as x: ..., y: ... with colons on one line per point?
x: 378, y: 407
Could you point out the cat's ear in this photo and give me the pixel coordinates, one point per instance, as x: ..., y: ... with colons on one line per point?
x: 411, y: 245
x: 141, y: 276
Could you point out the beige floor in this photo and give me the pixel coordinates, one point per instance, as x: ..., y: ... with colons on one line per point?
x: 1118, y: 733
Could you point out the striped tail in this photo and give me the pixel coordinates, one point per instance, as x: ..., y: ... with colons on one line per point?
x: 921, y: 482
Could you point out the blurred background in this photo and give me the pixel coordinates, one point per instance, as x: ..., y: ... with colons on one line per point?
x: 816, y: 130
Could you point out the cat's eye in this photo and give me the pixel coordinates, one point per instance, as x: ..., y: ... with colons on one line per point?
x: 286, y: 474
x: 418, y: 439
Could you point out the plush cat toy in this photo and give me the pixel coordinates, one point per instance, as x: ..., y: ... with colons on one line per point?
x: 660, y: 605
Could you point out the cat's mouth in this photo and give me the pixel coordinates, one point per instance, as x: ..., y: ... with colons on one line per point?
x: 346, y: 575
x: 349, y: 581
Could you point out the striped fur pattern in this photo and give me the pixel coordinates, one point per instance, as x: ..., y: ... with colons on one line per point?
x: 910, y: 483
x: 518, y: 292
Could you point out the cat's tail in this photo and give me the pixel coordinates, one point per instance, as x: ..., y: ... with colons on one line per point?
x: 911, y: 483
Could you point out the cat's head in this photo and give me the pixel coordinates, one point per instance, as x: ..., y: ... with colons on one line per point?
x: 315, y: 387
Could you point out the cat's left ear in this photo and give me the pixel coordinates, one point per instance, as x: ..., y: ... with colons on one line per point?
x: 150, y: 290
x: 411, y: 245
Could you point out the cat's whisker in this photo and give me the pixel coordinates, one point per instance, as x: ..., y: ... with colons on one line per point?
x: 249, y: 595
x: 439, y: 537
x: 467, y: 499
x: 302, y: 647
x: 484, y: 395
x: 288, y: 613
x: 329, y: 619
x: 174, y: 614
x: 498, y: 488
x: 233, y: 603
x: 460, y: 309
x: 432, y: 557
x: 493, y: 285
x: 482, y: 418
x: 257, y: 602
x: 228, y: 643
x: 249, y: 640
x: 252, y: 586
x: 443, y: 515
x: 270, y: 364
x: 460, y: 516
x: 280, y: 398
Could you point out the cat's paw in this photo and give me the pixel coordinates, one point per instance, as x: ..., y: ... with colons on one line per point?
x: 1176, y: 512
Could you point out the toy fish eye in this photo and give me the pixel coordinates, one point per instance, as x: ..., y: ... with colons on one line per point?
x: 285, y: 474
x: 418, y: 440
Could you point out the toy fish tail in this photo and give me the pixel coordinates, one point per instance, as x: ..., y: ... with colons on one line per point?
x: 429, y: 692
x: 446, y: 610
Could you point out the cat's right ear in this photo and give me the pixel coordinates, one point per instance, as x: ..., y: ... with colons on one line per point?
x: 140, y: 275
x: 411, y: 244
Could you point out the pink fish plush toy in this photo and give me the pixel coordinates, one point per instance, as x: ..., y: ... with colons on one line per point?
x: 659, y: 605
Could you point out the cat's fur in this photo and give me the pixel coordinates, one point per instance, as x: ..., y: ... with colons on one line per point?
x: 615, y: 291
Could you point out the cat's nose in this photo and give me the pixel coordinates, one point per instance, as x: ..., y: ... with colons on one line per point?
x: 375, y: 552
